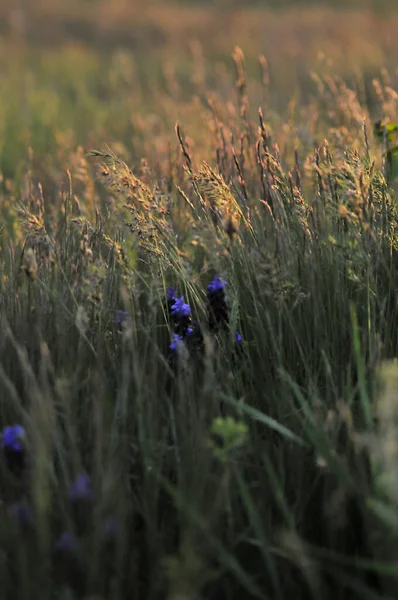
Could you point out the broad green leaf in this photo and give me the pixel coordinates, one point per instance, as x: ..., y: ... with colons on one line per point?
x: 257, y: 415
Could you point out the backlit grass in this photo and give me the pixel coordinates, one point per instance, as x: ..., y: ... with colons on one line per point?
x: 198, y: 303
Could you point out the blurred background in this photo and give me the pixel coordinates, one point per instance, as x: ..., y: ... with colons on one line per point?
x: 92, y: 71
x: 292, y: 34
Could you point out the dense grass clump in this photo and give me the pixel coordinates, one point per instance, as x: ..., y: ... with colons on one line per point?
x: 199, y: 331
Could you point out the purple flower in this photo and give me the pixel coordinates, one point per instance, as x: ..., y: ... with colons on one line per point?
x: 176, y: 342
x: 189, y: 331
x: 238, y: 337
x: 216, y: 285
x: 180, y: 309
x: 80, y: 489
x: 11, y: 438
x: 217, y: 307
x: 66, y: 542
x: 121, y: 316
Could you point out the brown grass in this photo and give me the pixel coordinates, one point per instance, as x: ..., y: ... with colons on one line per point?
x: 352, y: 38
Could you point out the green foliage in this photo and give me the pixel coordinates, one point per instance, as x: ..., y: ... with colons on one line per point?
x: 385, y: 130
x: 259, y: 464
x: 231, y: 436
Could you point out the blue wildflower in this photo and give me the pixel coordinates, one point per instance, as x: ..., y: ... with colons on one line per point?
x: 80, y: 489
x: 13, y: 448
x: 66, y: 542
x: 180, y: 309
x: 11, y: 438
x: 184, y: 328
x: 238, y: 337
x: 176, y: 342
x: 179, y: 312
x: 216, y: 285
x: 218, y: 310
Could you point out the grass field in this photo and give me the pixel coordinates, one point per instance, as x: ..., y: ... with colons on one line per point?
x: 198, y: 304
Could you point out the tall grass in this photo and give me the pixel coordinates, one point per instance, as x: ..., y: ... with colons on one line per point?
x: 253, y: 455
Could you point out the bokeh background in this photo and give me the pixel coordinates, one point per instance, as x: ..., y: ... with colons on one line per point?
x: 89, y: 72
x: 293, y: 34
x: 293, y: 208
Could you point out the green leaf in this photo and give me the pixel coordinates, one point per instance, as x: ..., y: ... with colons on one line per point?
x: 257, y: 415
x: 382, y: 129
x: 385, y: 513
x: 227, y: 560
x: 262, y: 539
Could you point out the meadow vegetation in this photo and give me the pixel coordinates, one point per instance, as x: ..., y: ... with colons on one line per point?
x: 198, y: 302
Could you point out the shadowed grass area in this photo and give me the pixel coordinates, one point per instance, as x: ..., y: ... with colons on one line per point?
x: 198, y: 303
